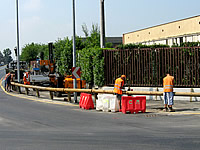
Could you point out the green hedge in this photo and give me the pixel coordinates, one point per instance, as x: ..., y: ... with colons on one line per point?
x: 133, y: 46
x: 91, y: 61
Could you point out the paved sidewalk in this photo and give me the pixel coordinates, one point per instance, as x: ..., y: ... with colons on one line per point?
x: 152, y: 106
x: 180, y: 107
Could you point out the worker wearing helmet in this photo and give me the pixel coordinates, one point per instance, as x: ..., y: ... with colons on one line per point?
x: 119, y: 83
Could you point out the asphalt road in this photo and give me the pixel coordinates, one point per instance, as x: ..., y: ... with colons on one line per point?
x: 32, y: 125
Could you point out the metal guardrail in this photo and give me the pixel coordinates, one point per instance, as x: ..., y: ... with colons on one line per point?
x: 95, y: 91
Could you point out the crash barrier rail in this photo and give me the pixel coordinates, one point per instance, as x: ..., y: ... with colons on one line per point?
x: 95, y: 91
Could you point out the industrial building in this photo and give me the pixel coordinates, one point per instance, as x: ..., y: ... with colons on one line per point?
x: 114, y: 40
x: 176, y: 32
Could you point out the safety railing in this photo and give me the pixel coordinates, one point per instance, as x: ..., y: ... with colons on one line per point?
x: 94, y: 91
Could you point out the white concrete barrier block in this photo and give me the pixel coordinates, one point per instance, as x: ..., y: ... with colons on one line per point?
x: 106, y: 104
x: 114, y: 105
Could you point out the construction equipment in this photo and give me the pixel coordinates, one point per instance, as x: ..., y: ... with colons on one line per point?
x: 12, y: 67
x: 43, y: 73
x: 68, y: 82
x: 40, y: 71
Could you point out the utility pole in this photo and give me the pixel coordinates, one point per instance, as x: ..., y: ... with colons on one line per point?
x: 74, y: 49
x: 102, y: 27
x: 18, y: 65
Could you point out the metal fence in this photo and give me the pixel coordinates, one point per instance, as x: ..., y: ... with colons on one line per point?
x: 147, y: 67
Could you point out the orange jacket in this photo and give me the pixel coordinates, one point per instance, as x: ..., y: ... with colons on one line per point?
x: 119, y: 83
x: 7, y: 76
x: 168, y: 83
x: 26, y: 78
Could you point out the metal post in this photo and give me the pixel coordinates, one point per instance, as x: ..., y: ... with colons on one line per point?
x: 74, y: 50
x: 37, y: 93
x: 26, y: 91
x: 51, y: 95
x: 18, y: 65
x: 102, y: 27
x: 191, y: 90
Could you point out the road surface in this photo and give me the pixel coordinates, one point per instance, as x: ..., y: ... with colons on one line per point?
x: 32, y: 125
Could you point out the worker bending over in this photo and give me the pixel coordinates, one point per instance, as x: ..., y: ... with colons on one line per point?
x: 119, y: 83
x: 168, y: 84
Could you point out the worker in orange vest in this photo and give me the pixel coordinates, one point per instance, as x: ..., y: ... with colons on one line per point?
x: 26, y: 78
x: 7, y: 81
x: 119, y: 83
x: 168, y: 84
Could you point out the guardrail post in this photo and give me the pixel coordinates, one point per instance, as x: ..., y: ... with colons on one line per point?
x: 191, y: 90
x: 26, y: 90
x: 69, y: 96
x: 51, y: 95
x: 95, y: 98
x: 156, y: 95
x: 19, y: 90
x: 37, y: 93
x: 13, y: 87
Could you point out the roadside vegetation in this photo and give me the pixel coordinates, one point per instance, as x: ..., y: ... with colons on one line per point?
x: 89, y: 54
x: 5, y: 58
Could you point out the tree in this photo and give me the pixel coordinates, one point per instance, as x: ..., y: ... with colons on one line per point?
x: 31, y: 51
x: 63, y: 54
x: 1, y: 57
x: 66, y: 59
x: 85, y: 30
x: 91, y: 58
x: 94, y: 39
x: 7, y: 56
x: 59, y: 48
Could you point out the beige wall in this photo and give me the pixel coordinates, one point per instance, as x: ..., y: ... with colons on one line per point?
x: 165, y: 31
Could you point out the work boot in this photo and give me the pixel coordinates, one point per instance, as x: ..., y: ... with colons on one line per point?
x: 165, y: 109
x: 171, y: 109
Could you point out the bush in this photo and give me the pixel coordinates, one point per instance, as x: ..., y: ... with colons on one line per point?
x: 136, y: 46
x: 91, y: 61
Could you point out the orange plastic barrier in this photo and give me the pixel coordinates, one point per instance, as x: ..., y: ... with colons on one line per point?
x: 133, y: 104
x: 86, y: 101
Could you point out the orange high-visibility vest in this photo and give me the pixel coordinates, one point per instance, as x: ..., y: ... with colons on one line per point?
x: 7, y: 76
x: 119, y: 83
x: 26, y: 79
x: 168, y: 83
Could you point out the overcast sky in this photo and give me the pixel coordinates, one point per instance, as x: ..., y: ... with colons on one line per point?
x: 43, y: 21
